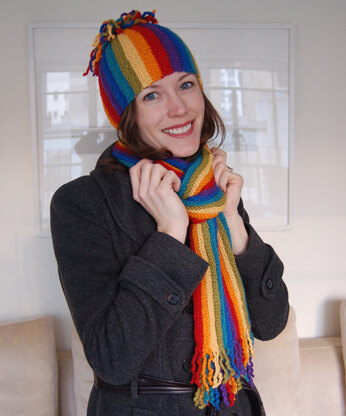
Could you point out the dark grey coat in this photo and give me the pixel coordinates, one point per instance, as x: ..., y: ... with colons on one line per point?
x: 118, y: 273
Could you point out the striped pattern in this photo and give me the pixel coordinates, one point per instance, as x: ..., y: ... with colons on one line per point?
x: 224, y: 342
x: 130, y: 54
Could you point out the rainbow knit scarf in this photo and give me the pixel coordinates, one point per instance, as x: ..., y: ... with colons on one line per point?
x: 223, y: 338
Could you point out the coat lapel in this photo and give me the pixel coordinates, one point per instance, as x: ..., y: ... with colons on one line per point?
x: 130, y: 216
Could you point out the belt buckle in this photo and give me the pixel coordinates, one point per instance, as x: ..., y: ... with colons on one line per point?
x: 212, y: 411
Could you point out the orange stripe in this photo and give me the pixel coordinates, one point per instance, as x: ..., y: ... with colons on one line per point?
x: 205, y: 180
x: 145, y: 53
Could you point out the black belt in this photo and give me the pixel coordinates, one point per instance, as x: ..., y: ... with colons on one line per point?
x: 148, y: 385
x: 154, y: 385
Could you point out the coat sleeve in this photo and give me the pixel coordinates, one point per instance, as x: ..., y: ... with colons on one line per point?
x: 120, y: 307
x: 266, y: 293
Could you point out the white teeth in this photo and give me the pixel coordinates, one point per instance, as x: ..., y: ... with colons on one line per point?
x: 180, y: 130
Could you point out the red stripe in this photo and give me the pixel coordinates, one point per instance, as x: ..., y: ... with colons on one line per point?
x: 209, y: 185
x: 197, y: 307
x: 157, y: 49
x: 166, y: 165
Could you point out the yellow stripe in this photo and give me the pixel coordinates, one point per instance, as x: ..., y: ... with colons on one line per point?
x: 135, y: 60
x: 146, y: 54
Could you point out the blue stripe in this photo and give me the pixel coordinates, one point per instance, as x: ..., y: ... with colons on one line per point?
x: 183, y: 51
x: 111, y: 84
x: 199, y: 201
x: 118, y: 75
x: 190, y: 171
x: 111, y: 97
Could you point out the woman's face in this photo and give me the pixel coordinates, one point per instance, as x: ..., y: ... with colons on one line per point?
x: 170, y: 114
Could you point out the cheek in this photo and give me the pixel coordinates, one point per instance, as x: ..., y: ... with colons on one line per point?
x: 199, y: 104
x: 146, y: 122
x: 147, y: 117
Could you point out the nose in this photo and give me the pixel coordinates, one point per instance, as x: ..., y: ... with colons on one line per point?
x: 176, y: 105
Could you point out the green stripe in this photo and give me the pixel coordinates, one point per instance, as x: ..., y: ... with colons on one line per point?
x: 126, y: 67
x: 197, y: 172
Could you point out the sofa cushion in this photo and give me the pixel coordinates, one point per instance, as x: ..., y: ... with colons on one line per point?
x: 28, y: 368
x: 277, y: 371
x: 83, y: 375
x: 322, y: 371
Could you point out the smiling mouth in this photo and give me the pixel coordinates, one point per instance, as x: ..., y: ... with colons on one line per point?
x: 179, y: 130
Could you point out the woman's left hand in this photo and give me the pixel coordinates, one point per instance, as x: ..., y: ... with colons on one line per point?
x: 229, y: 182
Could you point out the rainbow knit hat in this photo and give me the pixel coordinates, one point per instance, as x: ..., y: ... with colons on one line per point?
x: 130, y: 54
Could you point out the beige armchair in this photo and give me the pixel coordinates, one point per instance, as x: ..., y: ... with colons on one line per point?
x: 28, y: 368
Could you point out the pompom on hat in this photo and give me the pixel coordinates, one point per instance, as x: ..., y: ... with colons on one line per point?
x: 131, y: 53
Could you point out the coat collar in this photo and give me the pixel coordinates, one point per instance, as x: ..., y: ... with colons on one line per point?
x: 130, y: 216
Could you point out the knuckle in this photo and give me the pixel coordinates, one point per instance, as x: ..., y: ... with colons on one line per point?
x: 135, y: 196
x: 133, y: 170
x: 141, y: 194
x: 172, y: 174
x: 161, y: 191
x: 146, y: 167
x: 158, y: 167
x: 151, y: 193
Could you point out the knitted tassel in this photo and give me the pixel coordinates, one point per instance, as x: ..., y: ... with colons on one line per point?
x: 223, y: 337
x: 110, y: 28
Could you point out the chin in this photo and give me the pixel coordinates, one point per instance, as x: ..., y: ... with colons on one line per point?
x: 186, y: 151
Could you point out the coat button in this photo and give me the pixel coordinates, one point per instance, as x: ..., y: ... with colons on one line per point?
x: 187, y: 365
x: 173, y: 298
x: 269, y: 284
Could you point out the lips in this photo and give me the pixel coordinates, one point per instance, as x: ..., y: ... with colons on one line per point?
x: 181, y: 130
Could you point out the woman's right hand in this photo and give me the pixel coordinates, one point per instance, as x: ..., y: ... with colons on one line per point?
x: 155, y: 188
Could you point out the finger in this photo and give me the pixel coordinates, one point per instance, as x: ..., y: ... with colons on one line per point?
x: 229, y: 178
x: 224, y: 180
x: 218, y: 152
x: 234, y: 181
x: 157, y: 173
x: 218, y: 169
x: 134, y: 172
x: 213, y: 150
x: 219, y: 160
x: 171, y: 179
x: 135, y: 177
x: 145, y: 180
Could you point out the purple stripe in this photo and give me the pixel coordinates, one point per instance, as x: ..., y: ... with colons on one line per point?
x: 108, y: 91
x: 171, y: 49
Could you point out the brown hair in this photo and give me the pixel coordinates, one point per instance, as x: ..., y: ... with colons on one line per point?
x: 128, y: 133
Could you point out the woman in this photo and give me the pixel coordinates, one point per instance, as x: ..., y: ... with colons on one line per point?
x: 151, y: 245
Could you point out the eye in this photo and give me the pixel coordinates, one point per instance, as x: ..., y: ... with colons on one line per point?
x: 186, y: 85
x: 151, y: 96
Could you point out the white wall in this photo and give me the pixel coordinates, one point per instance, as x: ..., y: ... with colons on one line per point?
x: 313, y: 250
